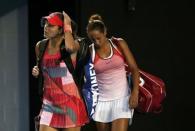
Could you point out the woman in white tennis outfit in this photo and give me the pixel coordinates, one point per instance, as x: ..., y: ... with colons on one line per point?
x: 116, y: 101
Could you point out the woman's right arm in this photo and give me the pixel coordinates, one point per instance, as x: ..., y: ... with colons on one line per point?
x: 35, y: 70
x: 37, y: 50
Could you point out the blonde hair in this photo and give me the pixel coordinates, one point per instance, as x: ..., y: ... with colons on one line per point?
x: 96, y: 23
x: 95, y: 17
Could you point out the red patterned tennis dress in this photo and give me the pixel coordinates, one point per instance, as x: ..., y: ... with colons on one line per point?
x: 62, y: 106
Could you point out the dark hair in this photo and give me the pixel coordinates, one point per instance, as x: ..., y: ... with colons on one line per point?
x: 61, y: 16
x: 96, y: 23
x: 74, y: 27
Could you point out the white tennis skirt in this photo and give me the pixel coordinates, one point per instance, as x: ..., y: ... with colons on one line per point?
x: 108, y: 111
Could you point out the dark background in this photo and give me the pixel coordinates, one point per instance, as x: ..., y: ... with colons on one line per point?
x: 160, y: 35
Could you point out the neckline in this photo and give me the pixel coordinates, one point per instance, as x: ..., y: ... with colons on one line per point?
x: 111, y: 53
x: 55, y: 54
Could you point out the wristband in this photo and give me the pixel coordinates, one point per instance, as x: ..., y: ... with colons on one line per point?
x: 67, y: 28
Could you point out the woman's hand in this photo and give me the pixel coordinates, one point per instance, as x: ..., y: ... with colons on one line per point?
x: 70, y: 44
x: 133, y: 100
x: 35, y: 71
x: 67, y: 19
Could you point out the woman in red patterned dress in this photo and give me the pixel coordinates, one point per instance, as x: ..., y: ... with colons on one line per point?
x: 63, y: 107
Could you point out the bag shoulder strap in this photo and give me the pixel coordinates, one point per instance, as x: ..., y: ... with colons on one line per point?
x: 116, y: 44
x: 92, y: 50
x: 66, y: 57
x: 83, y: 52
x: 42, y: 47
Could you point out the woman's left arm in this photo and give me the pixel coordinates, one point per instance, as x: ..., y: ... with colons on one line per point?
x: 130, y: 60
x: 70, y: 46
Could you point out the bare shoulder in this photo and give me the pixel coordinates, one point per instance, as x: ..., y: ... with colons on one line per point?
x: 38, y: 45
x: 119, y: 41
x: 40, y: 42
x: 122, y: 43
x: 37, y: 48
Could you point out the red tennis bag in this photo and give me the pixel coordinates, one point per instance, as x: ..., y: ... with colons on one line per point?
x: 151, y: 93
